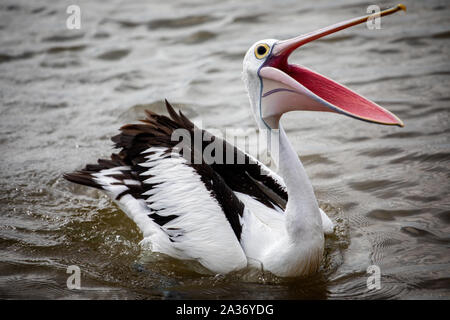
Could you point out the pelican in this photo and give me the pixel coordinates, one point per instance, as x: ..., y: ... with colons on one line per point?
x: 228, y: 216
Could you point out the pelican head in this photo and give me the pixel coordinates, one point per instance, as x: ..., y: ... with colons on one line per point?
x: 276, y: 87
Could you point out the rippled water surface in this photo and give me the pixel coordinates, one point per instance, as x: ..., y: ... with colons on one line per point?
x: 63, y: 93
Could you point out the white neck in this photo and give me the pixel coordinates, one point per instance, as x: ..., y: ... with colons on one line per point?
x: 302, y: 210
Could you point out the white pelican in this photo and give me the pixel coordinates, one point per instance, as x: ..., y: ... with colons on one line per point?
x: 231, y: 216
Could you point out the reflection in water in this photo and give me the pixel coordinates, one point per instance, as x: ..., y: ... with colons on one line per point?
x: 65, y: 92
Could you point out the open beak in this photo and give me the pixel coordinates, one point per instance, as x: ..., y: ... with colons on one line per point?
x: 288, y: 87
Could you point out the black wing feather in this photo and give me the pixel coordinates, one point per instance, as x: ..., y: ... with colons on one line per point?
x: 222, y: 180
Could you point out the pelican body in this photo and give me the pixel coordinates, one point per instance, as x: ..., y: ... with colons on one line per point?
x: 229, y: 216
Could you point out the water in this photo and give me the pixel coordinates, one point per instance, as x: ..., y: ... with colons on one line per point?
x: 63, y: 93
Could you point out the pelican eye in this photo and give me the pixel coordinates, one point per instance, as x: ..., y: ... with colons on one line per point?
x: 261, y: 50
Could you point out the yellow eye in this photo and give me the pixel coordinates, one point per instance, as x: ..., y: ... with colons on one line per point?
x: 261, y: 50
